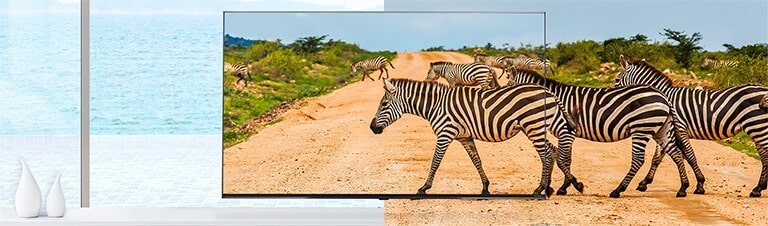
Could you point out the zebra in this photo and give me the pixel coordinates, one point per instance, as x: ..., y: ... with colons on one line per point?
x: 378, y: 63
x: 523, y: 61
x: 612, y: 114
x: 463, y: 74
x: 709, y: 114
x: 712, y: 63
x: 501, y: 62
x: 468, y: 113
x: 241, y: 70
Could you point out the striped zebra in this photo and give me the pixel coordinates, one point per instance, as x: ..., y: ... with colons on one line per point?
x: 523, y: 61
x: 463, y: 74
x: 712, y: 63
x: 709, y: 114
x: 469, y: 113
x: 501, y: 62
x: 378, y: 63
x: 241, y: 71
x: 613, y: 114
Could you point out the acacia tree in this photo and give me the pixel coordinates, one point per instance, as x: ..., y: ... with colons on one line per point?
x: 685, y: 47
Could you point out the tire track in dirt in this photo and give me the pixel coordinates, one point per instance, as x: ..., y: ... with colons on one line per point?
x: 325, y: 146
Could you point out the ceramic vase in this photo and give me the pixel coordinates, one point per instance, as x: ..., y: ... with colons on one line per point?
x: 55, y: 204
x: 27, y: 194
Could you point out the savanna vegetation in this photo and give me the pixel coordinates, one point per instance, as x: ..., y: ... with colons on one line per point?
x: 281, y: 73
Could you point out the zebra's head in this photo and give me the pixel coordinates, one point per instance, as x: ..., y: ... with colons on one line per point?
x: 390, y: 108
x: 625, y: 77
x: 353, y: 69
x: 434, y: 67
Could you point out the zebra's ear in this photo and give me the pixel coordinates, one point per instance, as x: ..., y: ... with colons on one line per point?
x: 623, y: 61
x: 389, y: 87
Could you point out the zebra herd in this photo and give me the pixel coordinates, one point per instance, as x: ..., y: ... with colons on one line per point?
x: 642, y: 106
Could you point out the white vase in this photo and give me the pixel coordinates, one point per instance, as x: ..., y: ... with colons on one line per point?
x: 27, y: 194
x: 55, y: 204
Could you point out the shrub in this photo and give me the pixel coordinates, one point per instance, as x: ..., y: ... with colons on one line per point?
x: 749, y: 70
x: 283, y: 63
x: 261, y: 50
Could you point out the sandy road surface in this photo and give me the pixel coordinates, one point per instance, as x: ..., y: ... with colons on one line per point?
x: 325, y: 146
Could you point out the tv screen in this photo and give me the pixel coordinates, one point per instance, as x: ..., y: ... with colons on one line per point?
x: 298, y: 105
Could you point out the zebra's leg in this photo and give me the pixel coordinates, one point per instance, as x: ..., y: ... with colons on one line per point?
x: 761, y: 141
x: 657, y: 157
x: 387, y: 71
x: 639, y: 141
x: 381, y: 72
x: 443, y: 140
x: 545, y: 149
x: 676, y: 155
x: 565, y: 141
x: 469, y: 146
x: 690, y: 156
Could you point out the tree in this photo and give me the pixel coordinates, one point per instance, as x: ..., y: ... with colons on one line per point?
x: 639, y: 38
x: 310, y: 44
x: 685, y: 47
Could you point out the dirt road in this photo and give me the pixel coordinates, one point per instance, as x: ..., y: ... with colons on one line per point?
x: 325, y: 146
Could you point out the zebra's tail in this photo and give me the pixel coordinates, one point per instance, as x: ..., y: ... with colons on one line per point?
x: 390, y: 64
x: 681, y: 137
x: 570, y: 117
x: 764, y: 102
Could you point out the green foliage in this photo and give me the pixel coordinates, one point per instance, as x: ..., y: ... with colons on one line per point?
x: 685, y: 47
x: 283, y: 63
x: 260, y: 50
x: 438, y: 48
x: 579, y: 57
x: 749, y: 70
x: 310, y: 44
x: 753, y: 51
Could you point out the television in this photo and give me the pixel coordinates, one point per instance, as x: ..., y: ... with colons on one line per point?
x: 297, y: 113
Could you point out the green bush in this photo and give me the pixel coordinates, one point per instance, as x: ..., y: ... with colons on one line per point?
x: 749, y: 70
x: 283, y: 63
x: 261, y: 50
x: 580, y: 56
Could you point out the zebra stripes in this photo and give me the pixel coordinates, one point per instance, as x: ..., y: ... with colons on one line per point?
x: 498, y: 62
x: 467, y: 114
x: 712, y: 63
x: 378, y: 63
x: 710, y: 114
x: 241, y: 71
x: 531, y: 63
x: 463, y: 74
x: 612, y: 114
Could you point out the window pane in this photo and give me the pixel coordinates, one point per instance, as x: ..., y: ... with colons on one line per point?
x: 156, y: 103
x: 40, y: 96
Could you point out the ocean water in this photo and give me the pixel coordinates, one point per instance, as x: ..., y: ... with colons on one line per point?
x: 150, y: 74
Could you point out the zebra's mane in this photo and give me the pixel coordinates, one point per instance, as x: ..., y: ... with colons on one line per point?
x: 533, y: 73
x: 658, y: 75
x: 399, y: 81
x: 440, y: 63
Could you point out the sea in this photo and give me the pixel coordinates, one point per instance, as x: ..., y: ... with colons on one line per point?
x: 150, y: 74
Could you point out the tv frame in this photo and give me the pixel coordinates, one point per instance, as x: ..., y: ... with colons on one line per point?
x: 413, y: 196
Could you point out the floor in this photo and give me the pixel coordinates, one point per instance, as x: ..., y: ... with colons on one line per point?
x: 134, y: 171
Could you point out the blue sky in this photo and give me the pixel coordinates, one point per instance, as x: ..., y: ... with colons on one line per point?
x: 393, y: 31
x: 736, y: 22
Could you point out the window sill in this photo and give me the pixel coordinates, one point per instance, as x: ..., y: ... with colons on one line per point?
x: 203, y: 216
